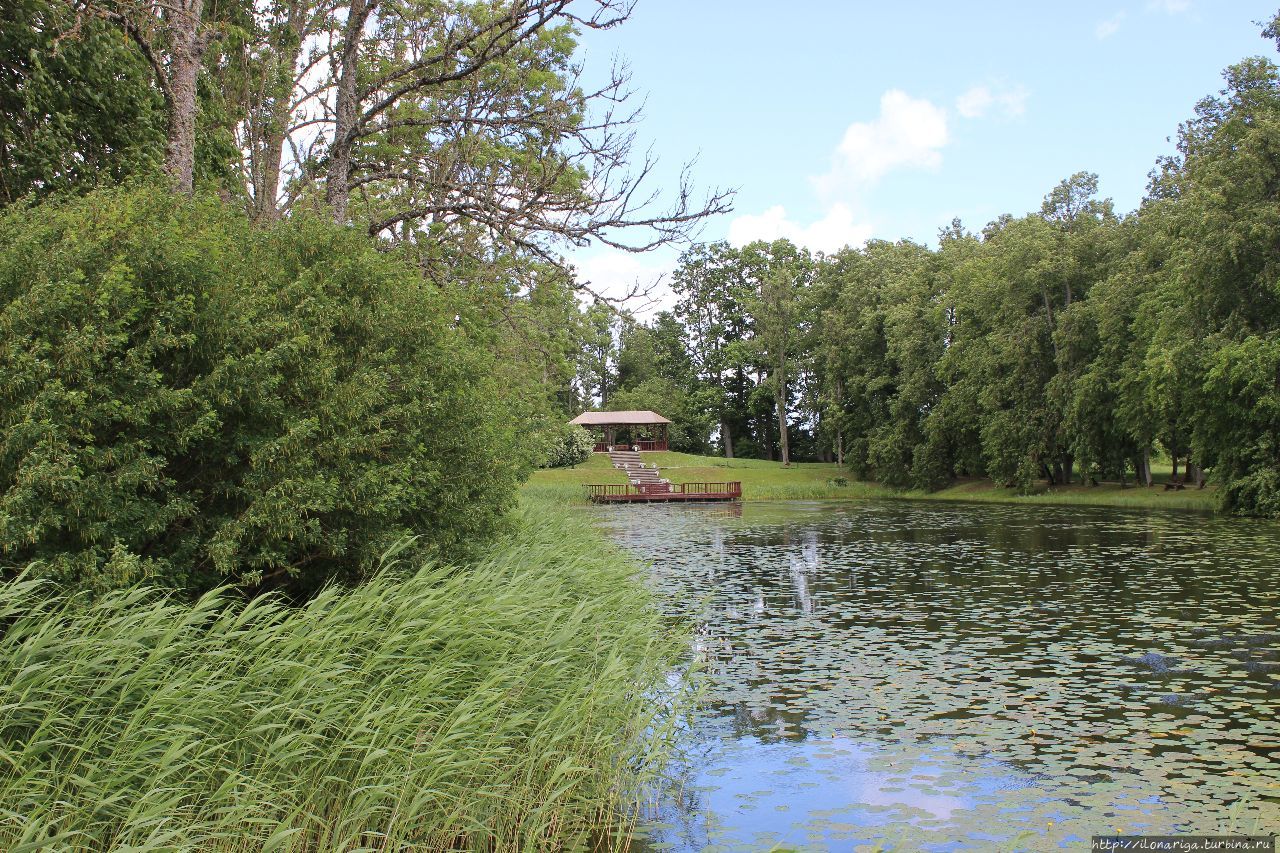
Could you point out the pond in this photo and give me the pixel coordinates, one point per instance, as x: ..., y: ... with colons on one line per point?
x: 929, y: 676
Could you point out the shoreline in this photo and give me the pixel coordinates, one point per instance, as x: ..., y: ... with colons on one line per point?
x: 765, y: 481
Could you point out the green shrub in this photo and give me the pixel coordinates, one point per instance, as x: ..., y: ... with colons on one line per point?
x: 570, y: 445
x: 186, y: 399
x: 505, y: 707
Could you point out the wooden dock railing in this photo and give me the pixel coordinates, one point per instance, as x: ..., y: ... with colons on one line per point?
x: 605, y: 492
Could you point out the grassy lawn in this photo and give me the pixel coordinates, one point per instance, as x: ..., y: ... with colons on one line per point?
x: 763, y: 480
x: 1106, y: 494
x: 760, y: 480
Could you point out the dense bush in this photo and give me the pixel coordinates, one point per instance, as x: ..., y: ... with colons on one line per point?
x: 189, y: 400
x: 502, y: 708
x: 569, y: 445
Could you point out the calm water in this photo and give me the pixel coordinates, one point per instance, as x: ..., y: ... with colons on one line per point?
x: 957, y: 676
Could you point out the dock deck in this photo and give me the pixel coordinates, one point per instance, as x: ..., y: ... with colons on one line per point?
x: 663, y: 492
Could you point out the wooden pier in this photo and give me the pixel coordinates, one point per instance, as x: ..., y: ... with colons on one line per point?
x: 604, y: 493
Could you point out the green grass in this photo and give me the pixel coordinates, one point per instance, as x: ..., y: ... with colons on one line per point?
x: 763, y: 480
x: 1106, y: 494
x: 504, y: 706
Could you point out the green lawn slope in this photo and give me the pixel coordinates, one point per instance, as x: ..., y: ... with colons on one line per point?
x: 763, y: 480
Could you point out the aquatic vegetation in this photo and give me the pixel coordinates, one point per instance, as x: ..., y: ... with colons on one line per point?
x: 909, y: 674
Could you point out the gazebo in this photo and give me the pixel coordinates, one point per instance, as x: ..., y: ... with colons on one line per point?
x: 608, y: 424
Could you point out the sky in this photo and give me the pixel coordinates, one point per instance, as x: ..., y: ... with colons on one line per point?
x: 838, y: 122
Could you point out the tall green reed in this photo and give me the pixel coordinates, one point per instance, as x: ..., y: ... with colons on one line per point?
x: 502, y: 705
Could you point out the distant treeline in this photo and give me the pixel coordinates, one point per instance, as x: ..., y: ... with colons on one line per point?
x: 1070, y: 344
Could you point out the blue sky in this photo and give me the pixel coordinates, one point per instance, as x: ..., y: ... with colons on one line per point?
x: 837, y: 122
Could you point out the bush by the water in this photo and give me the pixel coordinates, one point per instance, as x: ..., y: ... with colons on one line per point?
x: 192, y: 401
x: 501, y: 707
x: 570, y: 445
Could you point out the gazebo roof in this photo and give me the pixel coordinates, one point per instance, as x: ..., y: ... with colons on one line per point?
x: 618, y: 419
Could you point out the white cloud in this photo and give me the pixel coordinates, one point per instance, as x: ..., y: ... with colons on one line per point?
x: 838, y: 228
x: 977, y: 101
x: 1169, y: 7
x: 1106, y: 29
x: 909, y: 132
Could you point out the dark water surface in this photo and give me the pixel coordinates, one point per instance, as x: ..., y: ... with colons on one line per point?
x: 920, y: 676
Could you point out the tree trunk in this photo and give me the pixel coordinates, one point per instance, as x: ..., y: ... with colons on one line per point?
x: 1048, y: 313
x: 840, y: 447
x: 780, y: 400
x: 726, y: 437
x: 185, y: 51
x: 266, y: 176
x: 338, y: 180
x: 783, y: 447
x: 1142, y: 465
x: 274, y: 121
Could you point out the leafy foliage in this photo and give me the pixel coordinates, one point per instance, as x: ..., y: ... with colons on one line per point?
x: 690, y: 424
x: 189, y: 400
x: 570, y: 445
x: 75, y: 110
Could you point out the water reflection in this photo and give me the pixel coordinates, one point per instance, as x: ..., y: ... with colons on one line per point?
x: 924, y: 676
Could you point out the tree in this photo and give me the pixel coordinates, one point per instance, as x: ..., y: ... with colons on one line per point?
x: 653, y: 351
x: 778, y: 274
x: 712, y: 298
x: 468, y: 118
x: 690, y: 428
x: 416, y: 118
x: 1214, y: 313
x: 599, y: 353
x: 172, y: 36
x: 877, y: 345
x: 74, y: 111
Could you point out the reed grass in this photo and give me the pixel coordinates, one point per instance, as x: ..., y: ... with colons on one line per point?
x: 505, y: 705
